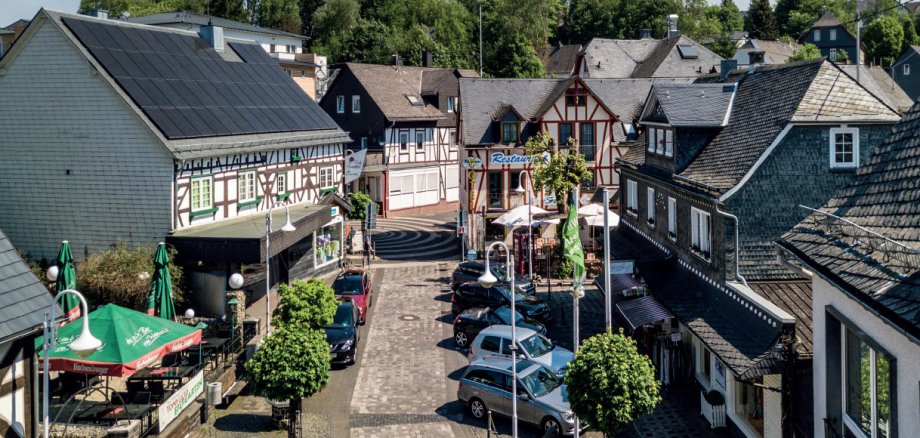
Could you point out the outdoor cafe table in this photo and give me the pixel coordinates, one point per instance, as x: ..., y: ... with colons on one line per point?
x: 163, y: 373
x: 216, y: 346
x: 106, y: 413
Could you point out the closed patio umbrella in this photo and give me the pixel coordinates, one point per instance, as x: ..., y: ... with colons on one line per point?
x: 67, y: 279
x: 160, y: 302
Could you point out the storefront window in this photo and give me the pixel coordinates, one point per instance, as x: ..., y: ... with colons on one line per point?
x: 867, y: 380
x: 328, y: 242
x: 749, y: 403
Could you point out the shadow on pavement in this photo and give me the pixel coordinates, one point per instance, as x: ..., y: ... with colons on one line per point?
x: 444, y: 297
x: 449, y: 344
x: 447, y: 318
x: 248, y: 423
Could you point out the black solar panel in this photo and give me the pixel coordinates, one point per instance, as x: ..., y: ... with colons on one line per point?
x: 188, y: 90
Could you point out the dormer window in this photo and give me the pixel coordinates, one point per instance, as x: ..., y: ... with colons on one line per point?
x: 844, y: 148
x: 687, y: 52
x: 415, y: 100
x: 652, y: 140
x: 510, y: 132
x: 661, y: 141
x: 668, y: 143
x: 451, y: 104
x: 576, y: 97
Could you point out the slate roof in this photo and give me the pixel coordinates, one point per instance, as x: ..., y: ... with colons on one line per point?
x: 625, y: 97
x: 23, y: 298
x: 775, y: 52
x: 694, y: 105
x: 560, y: 59
x: 483, y: 99
x: 389, y: 85
x: 743, y: 340
x: 827, y: 20
x: 193, y: 95
x: 203, y: 20
x: 878, y: 82
x: 646, y: 58
x: 795, y: 298
x: 767, y: 99
x: 884, y: 200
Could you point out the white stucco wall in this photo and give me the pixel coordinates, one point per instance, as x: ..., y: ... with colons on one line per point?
x: 905, y: 351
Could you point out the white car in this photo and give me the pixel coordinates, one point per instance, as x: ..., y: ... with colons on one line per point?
x: 496, y: 341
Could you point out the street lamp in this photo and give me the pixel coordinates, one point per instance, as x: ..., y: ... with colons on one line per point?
x: 85, y: 345
x: 608, y: 311
x: 487, y: 280
x: 520, y: 190
x: 287, y: 228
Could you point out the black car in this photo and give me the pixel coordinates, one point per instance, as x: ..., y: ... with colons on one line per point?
x: 471, y: 294
x: 470, y: 271
x: 343, y: 334
x: 470, y: 322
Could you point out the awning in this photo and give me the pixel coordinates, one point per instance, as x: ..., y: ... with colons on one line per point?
x: 242, y: 240
x: 642, y: 311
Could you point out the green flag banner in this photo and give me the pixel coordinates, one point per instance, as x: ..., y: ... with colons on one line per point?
x: 572, y: 245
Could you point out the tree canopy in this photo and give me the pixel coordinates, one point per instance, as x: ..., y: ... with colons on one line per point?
x: 807, y: 51
x: 309, y: 303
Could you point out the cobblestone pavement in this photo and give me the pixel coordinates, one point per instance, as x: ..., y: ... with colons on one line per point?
x: 416, y: 238
x: 246, y: 416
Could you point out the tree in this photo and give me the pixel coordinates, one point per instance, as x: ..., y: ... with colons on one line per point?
x: 592, y: 19
x: 278, y: 14
x: 730, y: 16
x: 516, y: 58
x: 910, y: 33
x: 763, y: 22
x: 292, y: 362
x: 699, y: 20
x: 308, y: 10
x: 122, y: 275
x: 782, y: 10
x: 555, y: 171
x: 808, y: 51
x: 610, y: 384
x: 309, y: 304
x: 359, y: 202
x: 724, y: 47
x: 883, y: 38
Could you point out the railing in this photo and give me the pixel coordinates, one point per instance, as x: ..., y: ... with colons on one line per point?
x: 854, y: 235
x: 714, y: 414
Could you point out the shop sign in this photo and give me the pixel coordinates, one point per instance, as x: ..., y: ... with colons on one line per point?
x: 621, y: 267
x: 549, y: 200
x: 502, y: 158
x: 181, y: 399
x: 334, y: 211
x: 471, y: 163
x: 354, y: 164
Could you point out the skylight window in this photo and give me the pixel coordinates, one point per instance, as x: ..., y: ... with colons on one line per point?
x: 415, y: 100
x: 687, y: 52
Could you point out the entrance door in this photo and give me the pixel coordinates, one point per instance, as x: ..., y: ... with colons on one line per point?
x: 373, y: 188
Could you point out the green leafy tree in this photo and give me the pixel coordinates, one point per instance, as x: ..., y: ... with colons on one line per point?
x: 561, y: 171
x: 517, y: 59
x: 762, y: 21
x: 278, y: 14
x: 359, y: 202
x: 310, y: 304
x: 699, y: 20
x: 610, y: 384
x: 308, y: 10
x: 910, y: 33
x: 799, y: 19
x: 730, y: 16
x: 724, y: 47
x: 883, y: 38
x: 592, y: 19
x: 122, y: 275
x: 292, y: 362
x: 782, y: 10
x: 807, y: 51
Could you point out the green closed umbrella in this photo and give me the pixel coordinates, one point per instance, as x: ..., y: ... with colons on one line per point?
x: 160, y: 302
x: 131, y: 340
x: 67, y: 279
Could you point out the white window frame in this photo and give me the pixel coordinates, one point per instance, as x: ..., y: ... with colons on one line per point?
x: 199, y: 202
x: 451, y: 104
x: 659, y: 144
x: 404, y: 145
x: 363, y: 142
x: 848, y: 423
x: 832, y: 55
x: 832, y: 34
x: 701, y: 232
x: 650, y: 207
x: 281, y: 182
x: 906, y: 69
x: 817, y: 35
x: 652, y: 142
x: 356, y: 104
x: 833, y: 148
x: 420, y: 146
x: 672, y: 218
x: 452, y: 139
x: 632, y: 197
x: 668, y: 143
x: 247, y: 186
x: 340, y: 104
x: 326, y: 177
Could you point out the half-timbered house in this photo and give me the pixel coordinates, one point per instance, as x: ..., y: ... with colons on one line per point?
x: 141, y: 132
x: 498, y: 117
x: 406, y: 119
x: 727, y: 162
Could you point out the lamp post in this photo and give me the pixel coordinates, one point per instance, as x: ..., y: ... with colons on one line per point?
x: 85, y: 345
x: 288, y: 227
x: 608, y: 315
x: 520, y: 190
x: 487, y: 280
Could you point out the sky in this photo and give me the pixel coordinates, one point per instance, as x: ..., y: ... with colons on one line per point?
x: 12, y: 10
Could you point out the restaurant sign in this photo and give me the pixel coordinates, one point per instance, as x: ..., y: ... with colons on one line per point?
x: 181, y: 399
x: 502, y: 158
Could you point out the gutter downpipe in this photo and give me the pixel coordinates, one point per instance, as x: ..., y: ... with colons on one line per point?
x: 737, y: 242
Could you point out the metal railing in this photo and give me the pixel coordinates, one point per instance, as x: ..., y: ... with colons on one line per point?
x: 853, y: 235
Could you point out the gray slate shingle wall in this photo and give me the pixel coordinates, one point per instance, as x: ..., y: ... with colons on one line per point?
x: 57, y: 115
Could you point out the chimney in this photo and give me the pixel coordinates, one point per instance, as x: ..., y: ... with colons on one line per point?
x: 98, y: 13
x: 214, y: 35
x: 397, y: 61
x: 755, y: 57
x: 672, y: 26
x: 645, y: 34
x: 429, y: 60
x: 725, y: 67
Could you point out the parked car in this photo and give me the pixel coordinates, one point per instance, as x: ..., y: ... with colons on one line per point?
x: 496, y: 341
x: 470, y: 322
x: 471, y: 271
x: 542, y: 396
x: 355, y: 285
x: 343, y: 334
x: 473, y: 295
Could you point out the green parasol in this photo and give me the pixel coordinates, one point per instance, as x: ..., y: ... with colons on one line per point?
x: 160, y: 302
x: 131, y: 340
x: 67, y: 279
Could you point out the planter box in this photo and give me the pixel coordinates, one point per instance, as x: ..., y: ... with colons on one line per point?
x: 715, y: 415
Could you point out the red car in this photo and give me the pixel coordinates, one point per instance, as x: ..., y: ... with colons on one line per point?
x: 355, y: 285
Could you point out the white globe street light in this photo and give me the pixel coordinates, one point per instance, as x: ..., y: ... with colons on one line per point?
x: 236, y: 281
x: 287, y: 228
x: 52, y: 273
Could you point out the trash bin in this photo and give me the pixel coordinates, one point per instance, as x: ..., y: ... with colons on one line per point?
x: 215, y: 394
x: 471, y: 255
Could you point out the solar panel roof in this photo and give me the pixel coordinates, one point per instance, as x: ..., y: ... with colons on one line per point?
x: 189, y: 91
